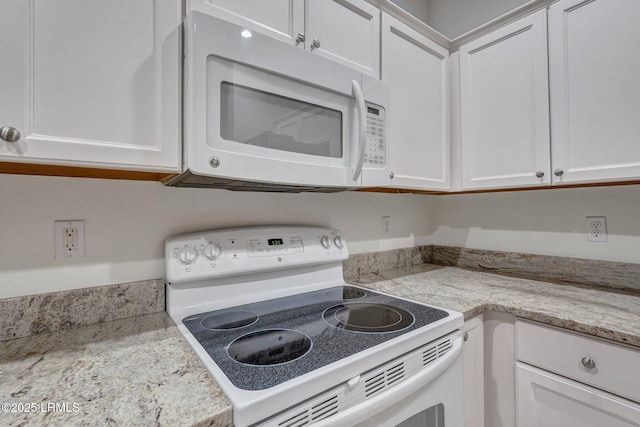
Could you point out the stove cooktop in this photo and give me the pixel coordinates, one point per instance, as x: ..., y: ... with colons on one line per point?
x: 263, y: 344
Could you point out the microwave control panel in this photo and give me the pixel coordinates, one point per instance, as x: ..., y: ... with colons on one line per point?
x: 375, y: 152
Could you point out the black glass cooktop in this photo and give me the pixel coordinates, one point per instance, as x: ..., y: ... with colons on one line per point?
x: 263, y: 344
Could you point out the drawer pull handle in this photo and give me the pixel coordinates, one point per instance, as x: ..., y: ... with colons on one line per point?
x: 588, y: 363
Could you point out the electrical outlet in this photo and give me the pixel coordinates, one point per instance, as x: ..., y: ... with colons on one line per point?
x: 596, y: 228
x: 386, y: 226
x: 69, y: 239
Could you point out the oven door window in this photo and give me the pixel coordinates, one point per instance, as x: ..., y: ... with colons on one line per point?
x: 432, y: 417
x: 262, y: 119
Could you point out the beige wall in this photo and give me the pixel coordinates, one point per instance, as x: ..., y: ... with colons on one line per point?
x: 548, y: 222
x: 126, y: 224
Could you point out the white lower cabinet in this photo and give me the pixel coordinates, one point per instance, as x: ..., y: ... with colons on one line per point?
x: 499, y: 369
x: 566, y: 379
x: 473, y: 365
x: 549, y: 400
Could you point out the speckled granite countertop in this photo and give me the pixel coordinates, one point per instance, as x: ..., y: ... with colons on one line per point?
x: 137, y: 371
x: 613, y: 315
x: 140, y: 371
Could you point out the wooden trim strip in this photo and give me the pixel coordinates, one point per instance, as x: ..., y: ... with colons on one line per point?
x: 494, y: 190
x: 79, y: 172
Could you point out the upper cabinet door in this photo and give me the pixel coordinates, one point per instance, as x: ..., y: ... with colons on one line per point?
x: 417, y: 72
x: 504, y: 107
x: 346, y: 31
x: 280, y: 19
x: 92, y: 83
x: 595, y: 90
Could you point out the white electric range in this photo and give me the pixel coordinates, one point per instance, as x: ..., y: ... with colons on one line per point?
x: 290, y: 343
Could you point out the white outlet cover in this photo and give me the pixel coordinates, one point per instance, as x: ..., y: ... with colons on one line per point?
x: 58, y: 239
x: 596, y: 228
x: 386, y: 226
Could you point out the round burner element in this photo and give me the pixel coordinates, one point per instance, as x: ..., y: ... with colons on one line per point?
x: 269, y: 347
x: 350, y: 292
x: 368, y: 318
x: 229, y: 320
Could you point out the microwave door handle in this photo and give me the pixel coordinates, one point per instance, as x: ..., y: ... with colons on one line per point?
x: 392, y: 396
x: 362, y: 129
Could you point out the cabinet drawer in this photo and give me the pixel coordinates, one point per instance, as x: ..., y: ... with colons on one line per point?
x: 548, y: 400
x: 615, y: 368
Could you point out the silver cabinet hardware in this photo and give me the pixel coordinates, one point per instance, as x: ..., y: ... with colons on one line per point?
x: 465, y: 336
x: 558, y: 172
x: 300, y: 39
x: 214, y: 162
x: 588, y: 362
x: 315, y: 44
x: 392, y: 175
x: 10, y: 134
x: 540, y: 174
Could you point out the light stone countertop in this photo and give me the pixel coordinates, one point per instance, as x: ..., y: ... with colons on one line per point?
x: 137, y: 371
x: 609, y: 314
x: 141, y: 371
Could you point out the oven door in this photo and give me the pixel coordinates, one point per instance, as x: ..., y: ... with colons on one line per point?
x: 431, y: 398
x: 259, y: 110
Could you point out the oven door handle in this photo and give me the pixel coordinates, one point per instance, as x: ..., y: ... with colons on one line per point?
x: 362, y: 129
x: 393, y: 395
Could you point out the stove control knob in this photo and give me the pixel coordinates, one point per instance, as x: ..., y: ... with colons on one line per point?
x: 187, y: 255
x: 212, y: 251
x: 325, y: 242
x: 338, y: 242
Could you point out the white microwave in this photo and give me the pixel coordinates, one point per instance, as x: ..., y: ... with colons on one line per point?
x: 260, y: 114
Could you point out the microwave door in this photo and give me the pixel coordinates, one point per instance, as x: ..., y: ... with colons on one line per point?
x: 268, y: 128
x: 267, y: 124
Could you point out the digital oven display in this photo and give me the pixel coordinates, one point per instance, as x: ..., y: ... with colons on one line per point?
x: 275, y: 242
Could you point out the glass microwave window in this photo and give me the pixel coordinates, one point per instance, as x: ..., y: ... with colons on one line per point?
x: 254, y: 117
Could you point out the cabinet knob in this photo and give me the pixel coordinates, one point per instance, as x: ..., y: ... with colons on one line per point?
x: 392, y: 175
x: 540, y: 174
x: 300, y: 39
x: 588, y: 362
x: 214, y: 162
x: 9, y: 134
x: 465, y: 336
x: 315, y: 44
x: 558, y: 172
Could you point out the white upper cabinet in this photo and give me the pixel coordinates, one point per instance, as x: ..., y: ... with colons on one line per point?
x: 595, y: 90
x: 504, y: 121
x: 94, y: 84
x: 346, y: 31
x: 280, y: 19
x: 417, y: 72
